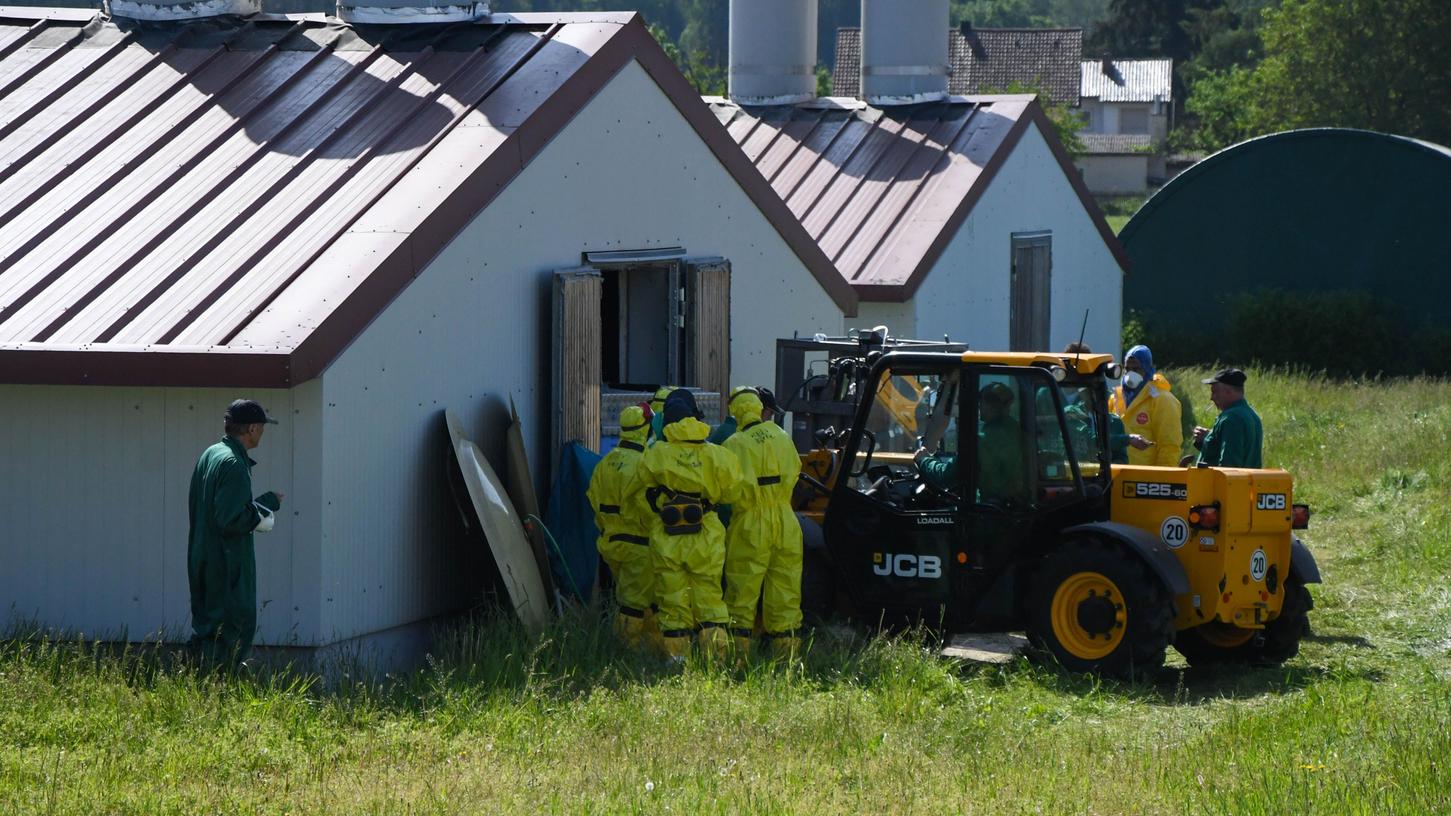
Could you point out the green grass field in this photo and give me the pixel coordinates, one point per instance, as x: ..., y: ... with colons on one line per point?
x: 1359, y: 723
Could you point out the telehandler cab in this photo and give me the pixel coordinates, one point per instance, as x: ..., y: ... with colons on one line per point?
x: 1035, y: 529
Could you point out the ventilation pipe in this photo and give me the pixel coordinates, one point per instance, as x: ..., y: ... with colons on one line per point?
x: 904, y: 51
x: 772, y: 52
x: 180, y: 9
x: 400, y: 12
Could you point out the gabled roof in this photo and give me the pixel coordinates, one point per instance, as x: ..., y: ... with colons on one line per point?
x: 883, y: 191
x: 1128, y: 80
x: 986, y: 59
x: 231, y: 201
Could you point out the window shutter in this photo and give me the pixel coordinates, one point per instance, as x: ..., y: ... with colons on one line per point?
x: 576, y: 366
x: 708, y: 325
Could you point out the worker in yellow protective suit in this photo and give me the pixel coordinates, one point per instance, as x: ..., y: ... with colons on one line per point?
x: 1151, y: 414
x: 684, y: 479
x: 625, y: 521
x: 763, y: 543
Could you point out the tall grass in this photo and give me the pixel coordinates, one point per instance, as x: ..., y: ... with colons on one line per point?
x: 570, y: 722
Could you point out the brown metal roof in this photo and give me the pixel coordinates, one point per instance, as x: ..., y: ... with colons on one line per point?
x: 230, y: 201
x: 987, y: 60
x: 883, y: 191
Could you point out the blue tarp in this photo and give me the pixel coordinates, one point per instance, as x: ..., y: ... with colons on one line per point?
x: 571, y: 522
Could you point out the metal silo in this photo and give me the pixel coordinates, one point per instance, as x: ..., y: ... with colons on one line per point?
x: 904, y: 51
x: 772, y: 52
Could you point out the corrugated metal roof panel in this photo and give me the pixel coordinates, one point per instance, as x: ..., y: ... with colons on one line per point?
x: 859, y: 178
x: 986, y: 60
x: 1128, y: 80
x: 883, y: 190
x: 176, y: 187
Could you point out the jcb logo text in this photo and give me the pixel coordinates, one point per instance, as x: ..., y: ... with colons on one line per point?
x: 906, y: 565
x: 1270, y: 501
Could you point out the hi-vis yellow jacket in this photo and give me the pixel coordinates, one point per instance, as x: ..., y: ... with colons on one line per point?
x: 1155, y: 415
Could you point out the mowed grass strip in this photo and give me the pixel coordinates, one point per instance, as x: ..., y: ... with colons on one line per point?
x: 1360, y: 722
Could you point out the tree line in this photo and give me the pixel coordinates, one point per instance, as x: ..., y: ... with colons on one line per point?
x: 1243, y: 68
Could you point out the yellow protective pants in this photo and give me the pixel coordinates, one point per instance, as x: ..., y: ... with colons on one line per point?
x: 687, y: 578
x: 628, y: 557
x: 763, y: 564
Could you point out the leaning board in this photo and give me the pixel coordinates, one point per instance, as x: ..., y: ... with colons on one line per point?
x: 502, y: 530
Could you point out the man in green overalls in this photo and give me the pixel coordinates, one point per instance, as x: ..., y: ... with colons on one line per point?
x: 221, y: 565
x: 1237, y: 438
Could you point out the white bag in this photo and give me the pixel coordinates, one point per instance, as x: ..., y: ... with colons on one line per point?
x: 268, y: 519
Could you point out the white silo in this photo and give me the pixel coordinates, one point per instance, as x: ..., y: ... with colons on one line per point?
x: 772, y: 51
x: 904, y: 51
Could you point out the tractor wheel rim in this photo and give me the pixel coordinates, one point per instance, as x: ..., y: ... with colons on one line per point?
x: 1089, y: 615
x: 1224, y: 635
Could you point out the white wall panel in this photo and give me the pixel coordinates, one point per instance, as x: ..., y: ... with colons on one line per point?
x: 95, y: 481
x: 472, y: 330
x: 966, y: 295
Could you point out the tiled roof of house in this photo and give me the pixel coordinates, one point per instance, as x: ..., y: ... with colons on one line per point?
x: 1128, y: 80
x: 987, y: 60
x: 1116, y: 143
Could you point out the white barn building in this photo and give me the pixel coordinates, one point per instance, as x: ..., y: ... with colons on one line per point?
x: 357, y: 227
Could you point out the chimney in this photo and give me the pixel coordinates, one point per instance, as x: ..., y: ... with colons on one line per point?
x: 1106, y: 64
x: 772, y: 52
x: 400, y: 12
x: 904, y: 51
x: 160, y: 10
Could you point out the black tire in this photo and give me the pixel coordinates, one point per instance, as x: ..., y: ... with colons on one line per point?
x: 1213, y: 644
x: 1098, y: 588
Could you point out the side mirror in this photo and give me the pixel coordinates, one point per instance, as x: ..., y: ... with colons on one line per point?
x: 866, y: 459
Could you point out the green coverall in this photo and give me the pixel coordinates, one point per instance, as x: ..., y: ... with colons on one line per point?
x: 1236, y: 440
x: 1000, y: 463
x: 221, y: 565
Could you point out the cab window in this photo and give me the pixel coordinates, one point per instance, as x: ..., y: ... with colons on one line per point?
x: 1022, y: 454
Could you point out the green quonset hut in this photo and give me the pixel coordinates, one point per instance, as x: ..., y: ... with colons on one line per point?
x: 1305, y: 210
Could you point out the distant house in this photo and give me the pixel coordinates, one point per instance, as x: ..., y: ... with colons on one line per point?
x: 1128, y: 107
x: 986, y: 60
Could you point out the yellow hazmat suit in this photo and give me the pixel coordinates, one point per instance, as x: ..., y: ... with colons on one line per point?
x: 763, y: 545
x: 1155, y: 415
x: 625, y: 520
x: 685, y: 478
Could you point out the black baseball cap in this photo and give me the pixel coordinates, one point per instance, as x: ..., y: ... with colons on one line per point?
x: 1229, y: 376
x: 248, y: 412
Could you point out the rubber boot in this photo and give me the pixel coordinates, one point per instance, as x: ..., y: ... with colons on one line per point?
x: 741, y: 646
x: 630, y: 630
x: 715, y: 645
x: 653, y: 641
x: 676, y: 645
x: 786, y: 647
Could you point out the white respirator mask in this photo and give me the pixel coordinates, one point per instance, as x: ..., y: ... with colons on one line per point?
x: 1133, y: 379
x: 269, y: 519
